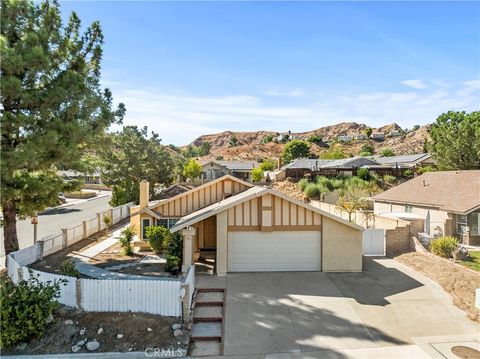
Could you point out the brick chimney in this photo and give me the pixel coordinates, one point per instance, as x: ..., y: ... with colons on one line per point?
x: 144, y: 194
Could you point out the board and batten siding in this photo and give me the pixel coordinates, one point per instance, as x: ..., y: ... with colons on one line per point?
x: 199, y: 198
x: 272, y: 213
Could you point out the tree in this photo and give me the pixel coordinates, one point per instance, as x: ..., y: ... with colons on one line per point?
x: 455, y: 140
x: 257, y: 174
x: 130, y: 157
x: 314, y: 139
x: 352, y: 201
x: 266, y: 139
x: 233, y: 141
x: 268, y: 165
x: 53, y: 105
x: 367, y: 150
x: 192, y: 169
x: 295, y: 149
x: 334, y: 153
x: 368, y: 132
x: 387, y: 152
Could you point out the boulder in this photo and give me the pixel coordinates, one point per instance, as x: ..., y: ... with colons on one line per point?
x: 119, y: 336
x: 176, y: 326
x: 76, y: 348
x: 177, y: 332
x: 69, y: 322
x: 93, y: 345
x: 100, y: 331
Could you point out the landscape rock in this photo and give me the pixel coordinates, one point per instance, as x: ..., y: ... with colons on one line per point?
x: 119, y: 336
x: 69, y: 322
x: 100, y: 331
x: 80, y: 343
x: 93, y: 345
x: 49, y: 319
x: 176, y: 326
x: 82, y: 331
x: 21, y: 346
x: 177, y: 332
x: 76, y: 348
x: 149, y: 330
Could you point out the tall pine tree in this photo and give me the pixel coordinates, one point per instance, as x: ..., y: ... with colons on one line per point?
x: 53, y: 104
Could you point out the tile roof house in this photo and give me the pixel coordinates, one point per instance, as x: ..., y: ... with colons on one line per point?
x: 252, y: 228
x: 448, y: 200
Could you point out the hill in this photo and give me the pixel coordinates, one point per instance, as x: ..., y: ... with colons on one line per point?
x: 251, y: 146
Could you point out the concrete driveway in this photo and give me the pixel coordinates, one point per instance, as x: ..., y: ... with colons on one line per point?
x: 293, y: 312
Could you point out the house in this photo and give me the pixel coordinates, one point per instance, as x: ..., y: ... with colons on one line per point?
x: 344, y: 138
x: 449, y: 201
x: 397, y: 165
x: 361, y: 136
x: 249, y: 228
x: 215, y: 169
x: 378, y: 136
x: 85, y: 177
x: 395, y: 133
x: 286, y: 136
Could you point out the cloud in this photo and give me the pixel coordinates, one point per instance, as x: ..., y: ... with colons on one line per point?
x: 291, y: 93
x: 180, y: 117
x: 415, y: 84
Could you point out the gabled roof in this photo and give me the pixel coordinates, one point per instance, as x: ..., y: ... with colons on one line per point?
x: 253, y: 192
x: 234, y: 165
x: 451, y: 191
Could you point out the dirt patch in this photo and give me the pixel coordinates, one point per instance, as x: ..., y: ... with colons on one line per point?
x: 51, y: 263
x: 59, y: 337
x: 459, y: 282
x: 290, y: 188
x: 114, y: 255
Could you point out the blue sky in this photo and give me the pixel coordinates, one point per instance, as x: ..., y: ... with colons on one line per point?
x: 186, y: 69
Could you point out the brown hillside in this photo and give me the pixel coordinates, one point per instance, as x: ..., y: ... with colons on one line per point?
x: 249, y: 146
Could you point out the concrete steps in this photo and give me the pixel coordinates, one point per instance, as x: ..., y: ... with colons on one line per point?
x: 207, y: 327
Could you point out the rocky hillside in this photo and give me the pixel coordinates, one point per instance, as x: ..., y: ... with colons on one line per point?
x: 251, y: 146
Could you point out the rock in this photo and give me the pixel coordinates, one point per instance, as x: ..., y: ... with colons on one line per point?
x: 80, y: 343
x: 82, y: 331
x: 119, y: 336
x: 21, y: 346
x: 49, y: 319
x: 93, y: 345
x: 176, y: 326
x: 100, y: 331
x: 149, y: 330
x: 76, y: 348
x: 69, y: 322
x: 177, y: 332
x: 130, y: 349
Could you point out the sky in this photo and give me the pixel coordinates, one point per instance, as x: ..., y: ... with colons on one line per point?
x: 190, y: 68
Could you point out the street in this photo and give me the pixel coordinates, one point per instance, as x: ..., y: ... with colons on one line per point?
x: 53, y: 220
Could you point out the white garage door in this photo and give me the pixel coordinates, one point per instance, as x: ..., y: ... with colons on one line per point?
x: 273, y: 251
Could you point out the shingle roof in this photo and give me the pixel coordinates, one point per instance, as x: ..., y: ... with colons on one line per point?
x: 233, y: 165
x: 314, y: 164
x: 400, y: 159
x: 452, y: 191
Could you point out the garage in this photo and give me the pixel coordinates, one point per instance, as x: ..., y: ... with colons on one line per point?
x: 258, y: 251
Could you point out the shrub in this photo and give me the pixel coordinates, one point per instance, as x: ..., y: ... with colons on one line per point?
x: 389, y: 179
x: 126, y: 240
x: 107, y: 219
x: 67, y: 267
x: 312, y: 191
x: 314, y: 139
x: 266, y: 139
x: 444, y: 246
x: 363, y: 173
x: 257, y: 175
x: 158, y: 238
x: 302, y: 184
x: 325, y: 182
x: 173, y: 264
x: 175, y: 246
x: 25, y: 308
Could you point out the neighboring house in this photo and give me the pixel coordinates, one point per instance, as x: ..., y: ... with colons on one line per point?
x: 397, y: 165
x: 87, y: 178
x: 286, y: 136
x: 215, y: 169
x: 344, y: 138
x: 449, y: 201
x: 361, y: 136
x: 378, y: 136
x: 252, y: 228
x: 395, y: 133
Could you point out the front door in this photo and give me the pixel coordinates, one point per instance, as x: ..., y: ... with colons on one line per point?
x: 210, y: 232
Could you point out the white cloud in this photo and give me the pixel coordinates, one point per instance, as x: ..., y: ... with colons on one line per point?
x: 290, y: 93
x: 415, y: 84
x: 179, y: 117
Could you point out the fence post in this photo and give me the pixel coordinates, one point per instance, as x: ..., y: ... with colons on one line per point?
x: 111, y: 215
x: 64, y: 238
x: 99, y: 221
x: 19, y: 274
x: 84, y: 227
x: 78, y: 289
x: 40, y: 249
x: 121, y: 212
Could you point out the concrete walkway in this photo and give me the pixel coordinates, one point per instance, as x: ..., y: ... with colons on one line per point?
x: 81, y: 261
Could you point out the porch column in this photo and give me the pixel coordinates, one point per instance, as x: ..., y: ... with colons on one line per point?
x: 188, y: 235
x: 221, y: 260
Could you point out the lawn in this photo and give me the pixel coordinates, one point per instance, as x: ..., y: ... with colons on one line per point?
x: 473, y: 262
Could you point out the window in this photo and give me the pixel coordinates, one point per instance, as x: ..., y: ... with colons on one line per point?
x: 408, y: 209
x: 461, y: 224
x: 469, y: 222
x: 145, y: 224
x: 167, y: 222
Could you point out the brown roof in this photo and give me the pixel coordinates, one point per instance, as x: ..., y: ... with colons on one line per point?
x: 453, y: 191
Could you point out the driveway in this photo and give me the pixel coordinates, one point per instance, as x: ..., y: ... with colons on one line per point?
x: 388, y: 304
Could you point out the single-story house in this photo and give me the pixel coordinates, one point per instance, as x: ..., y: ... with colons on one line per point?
x: 449, y: 201
x: 215, y: 169
x: 252, y: 229
x: 379, y: 136
x: 87, y: 178
x: 397, y: 165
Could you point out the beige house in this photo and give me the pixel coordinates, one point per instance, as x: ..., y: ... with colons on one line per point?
x: 449, y: 201
x: 251, y: 228
x: 212, y: 170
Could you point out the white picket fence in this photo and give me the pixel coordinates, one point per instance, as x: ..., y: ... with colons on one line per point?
x: 163, y: 296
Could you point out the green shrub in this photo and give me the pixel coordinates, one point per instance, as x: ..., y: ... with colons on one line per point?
x: 158, y: 238
x: 302, y: 184
x: 25, y: 308
x: 363, y: 173
x: 444, y: 246
x: 67, y: 267
x: 257, y: 175
x: 173, y: 264
x: 336, y: 183
x: 126, y: 240
x: 389, y: 179
x: 325, y: 182
x: 312, y: 191
x: 107, y: 219
x: 175, y: 246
